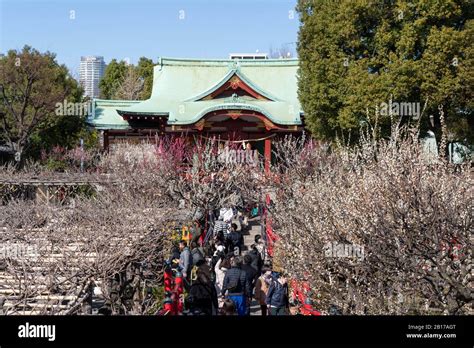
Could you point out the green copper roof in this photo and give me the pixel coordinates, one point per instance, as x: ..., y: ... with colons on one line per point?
x: 178, y: 84
x: 105, y: 116
x: 238, y: 73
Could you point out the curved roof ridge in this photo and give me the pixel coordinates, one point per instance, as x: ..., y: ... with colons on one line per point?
x: 237, y: 106
x: 115, y: 101
x: 220, y: 62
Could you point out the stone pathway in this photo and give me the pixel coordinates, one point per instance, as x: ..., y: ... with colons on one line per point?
x: 249, y: 233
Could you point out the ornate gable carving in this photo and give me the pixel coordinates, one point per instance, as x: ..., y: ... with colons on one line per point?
x: 234, y: 85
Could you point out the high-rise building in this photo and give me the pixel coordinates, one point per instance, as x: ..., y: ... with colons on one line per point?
x: 91, y: 71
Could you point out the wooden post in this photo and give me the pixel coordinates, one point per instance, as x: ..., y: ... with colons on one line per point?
x: 106, y: 140
x: 268, y: 155
x: 268, y: 159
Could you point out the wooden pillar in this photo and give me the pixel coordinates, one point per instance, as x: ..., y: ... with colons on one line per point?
x: 268, y: 155
x: 106, y: 140
x: 268, y: 224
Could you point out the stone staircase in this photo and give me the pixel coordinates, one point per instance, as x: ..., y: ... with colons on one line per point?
x: 253, y: 228
x: 249, y: 232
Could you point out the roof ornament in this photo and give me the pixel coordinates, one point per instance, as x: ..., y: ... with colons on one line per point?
x: 235, y: 65
x: 234, y: 82
x: 235, y: 98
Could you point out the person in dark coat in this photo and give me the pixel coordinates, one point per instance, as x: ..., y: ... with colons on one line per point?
x: 251, y: 276
x: 235, y: 240
x: 257, y: 261
x: 277, y: 296
x: 202, y: 296
x: 174, y: 253
x: 236, y: 286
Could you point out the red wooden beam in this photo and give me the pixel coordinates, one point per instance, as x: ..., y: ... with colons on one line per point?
x: 268, y: 155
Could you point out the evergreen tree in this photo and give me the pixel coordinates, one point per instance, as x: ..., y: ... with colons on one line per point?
x: 145, y: 71
x: 31, y: 85
x: 119, y: 76
x: 114, y: 76
x: 355, y: 55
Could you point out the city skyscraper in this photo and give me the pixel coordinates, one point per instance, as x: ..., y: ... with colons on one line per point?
x: 91, y: 71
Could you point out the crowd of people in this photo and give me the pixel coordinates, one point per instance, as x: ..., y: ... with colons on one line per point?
x: 222, y: 279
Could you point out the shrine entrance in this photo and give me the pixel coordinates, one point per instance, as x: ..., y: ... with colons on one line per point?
x: 247, y: 127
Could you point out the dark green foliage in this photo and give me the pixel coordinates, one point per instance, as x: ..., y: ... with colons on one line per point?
x: 405, y: 50
x: 65, y: 131
x: 32, y: 85
x: 145, y: 70
x: 113, y: 77
x: 116, y: 72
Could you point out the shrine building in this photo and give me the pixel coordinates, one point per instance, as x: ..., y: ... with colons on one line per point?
x: 253, y: 100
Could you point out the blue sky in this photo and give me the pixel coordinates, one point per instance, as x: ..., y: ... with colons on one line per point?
x: 151, y: 28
